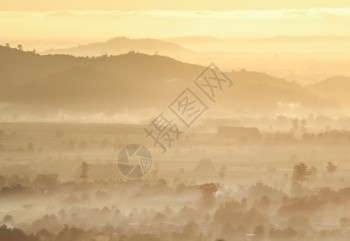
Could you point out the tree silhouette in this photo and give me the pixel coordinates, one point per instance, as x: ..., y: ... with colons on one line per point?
x: 69, y: 234
x: 313, y: 171
x: 8, y: 219
x: 20, y: 47
x: 301, y: 172
x: 208, y: 191
x: 47, y: 181
x: 9, y: 234
x: 331, y: 167
x: 84, y: 171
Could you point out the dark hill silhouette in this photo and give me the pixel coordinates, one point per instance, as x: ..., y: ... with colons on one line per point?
x: 19, y: 67
x: 77, y: 84
x: 121, y: 45
x: 129, y: 80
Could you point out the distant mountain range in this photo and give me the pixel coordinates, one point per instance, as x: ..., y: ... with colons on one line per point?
x: 303, y: 59
x: 122, y: 45
x: 137, y: 80
x: 184, y: 46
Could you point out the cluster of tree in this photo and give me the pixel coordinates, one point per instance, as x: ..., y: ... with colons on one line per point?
x: 302, y: 171
x: 201, y: 211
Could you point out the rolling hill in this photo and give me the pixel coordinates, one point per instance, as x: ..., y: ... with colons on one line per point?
x: 132, y: 80
x: 335, y: 88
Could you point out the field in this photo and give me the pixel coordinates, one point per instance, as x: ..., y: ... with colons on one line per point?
x: 57, y: 174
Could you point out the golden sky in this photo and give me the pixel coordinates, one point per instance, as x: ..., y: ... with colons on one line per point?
x: 225, y: 5
x: 81, y: 21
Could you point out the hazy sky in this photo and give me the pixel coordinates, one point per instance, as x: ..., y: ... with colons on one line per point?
x: 78, y: 21
x: 167, y: 4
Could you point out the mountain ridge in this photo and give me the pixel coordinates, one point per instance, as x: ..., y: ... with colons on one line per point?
x: 120, y: 45
x: 131, y: 79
